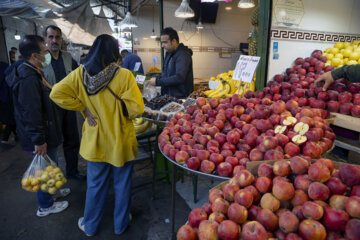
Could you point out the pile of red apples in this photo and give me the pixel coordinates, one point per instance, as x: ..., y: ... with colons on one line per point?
x: 293, y: 199
x: 222, y: 135
x: 298, y: 83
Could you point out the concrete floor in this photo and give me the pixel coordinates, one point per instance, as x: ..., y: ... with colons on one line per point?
x: 18, y: 218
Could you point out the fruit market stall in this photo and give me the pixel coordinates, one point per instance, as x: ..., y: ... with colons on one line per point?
x: 286, y: 199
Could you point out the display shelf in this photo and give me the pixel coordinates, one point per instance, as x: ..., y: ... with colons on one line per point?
x: 346, y: 121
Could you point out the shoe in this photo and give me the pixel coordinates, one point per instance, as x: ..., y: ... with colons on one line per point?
x: 61, y: 193
x: 82, y: 227
x: 55, y: 208
x: 77, y: 176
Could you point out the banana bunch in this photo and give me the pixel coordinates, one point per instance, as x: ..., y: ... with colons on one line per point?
x: 141, y: 125
x: 228, y: 86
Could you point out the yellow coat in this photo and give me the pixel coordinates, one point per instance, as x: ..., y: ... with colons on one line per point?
x: 113, y: 139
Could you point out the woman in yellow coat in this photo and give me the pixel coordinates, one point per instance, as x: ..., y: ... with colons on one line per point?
x: 109, y: 99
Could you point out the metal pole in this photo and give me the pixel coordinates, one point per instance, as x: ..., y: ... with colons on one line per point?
x: 173, y: 192
x: 161, y: 23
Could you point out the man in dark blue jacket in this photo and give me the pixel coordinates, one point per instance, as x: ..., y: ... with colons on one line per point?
x: 177, y: 78
x: 132, y: 61
x: 35, y: 114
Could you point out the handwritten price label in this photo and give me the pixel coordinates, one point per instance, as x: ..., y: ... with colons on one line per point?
x: 245, y: 68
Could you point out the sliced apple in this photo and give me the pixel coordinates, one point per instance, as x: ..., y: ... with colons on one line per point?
x: 289, y: 121
x: 299, y: 139
x: 280, y: 129
x: 301, y: 128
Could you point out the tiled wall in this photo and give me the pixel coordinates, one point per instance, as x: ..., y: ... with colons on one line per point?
x: 231, y: 26
x: 324, y: 23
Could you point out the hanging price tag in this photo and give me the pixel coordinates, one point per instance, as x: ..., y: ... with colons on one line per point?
x: 140, y: 79
x: 213, y: 84
x: 245, y: 68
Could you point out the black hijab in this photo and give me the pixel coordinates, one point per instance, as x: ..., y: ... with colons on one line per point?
x: 104, y: 51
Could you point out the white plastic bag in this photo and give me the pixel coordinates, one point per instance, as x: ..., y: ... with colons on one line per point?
x: 149, y: 91
x: 42, y: 174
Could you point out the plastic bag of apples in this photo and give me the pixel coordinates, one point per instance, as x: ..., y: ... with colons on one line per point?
x: 43, y: 174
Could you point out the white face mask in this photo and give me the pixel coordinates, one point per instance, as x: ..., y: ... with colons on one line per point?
x: 47, y: 60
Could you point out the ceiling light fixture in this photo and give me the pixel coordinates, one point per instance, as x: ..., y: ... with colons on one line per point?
x: 184, y: 10
x: 128, y: 22
x: 200, y: 25
x: 17, y: 36
x: 95, y: 7
x: 153, y: 30
x: 246, y: 4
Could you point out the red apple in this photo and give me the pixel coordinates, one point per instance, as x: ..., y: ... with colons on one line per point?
x: 352, y: 229
x: 336, y: 186
x: 269, y: 201
x: 288, y: 222
x: 268, y: 219
x: 283, y: 190
x: 253, y: 230
x: 224, y: 169
x: 263, y: 184
x: 186, y: 232
x: 282, y: 168
x: 319, y: 172
x: 335, y: 219
x: 299, y: 198
x: 196, y: 216
x: 208, y: 230
x: 350, y: 174
x: 220, y: 205
x: 318, y: 191
x: 207, y: 166
x: 353, y: 206
x: 237, y: 213
x: 311, y: 230
x: 338, y: 202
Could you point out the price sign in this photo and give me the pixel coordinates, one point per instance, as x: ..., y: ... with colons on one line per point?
x: 213, y: 84
x: 245, y: 68
x: 140, y: 79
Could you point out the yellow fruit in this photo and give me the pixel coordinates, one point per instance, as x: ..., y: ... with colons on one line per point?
x: 339, y: 66
x: 25, y: 182
x: 64, y: 180
x: 345, y: 60
x: 329, y: 56
x: 336, y: 62
x: 354, y: 56
x: 347, y: 52
x: 36, y: 188
x: 339, y: 55
x: 327, y: 50
x: 57, y: 170
x: 29, y: 188
x: 335, y: 50
x: 49, y: 168
x: 52, y: 190
x: 359, y: 60
x: 339, y: 45
x: 327, y: 63
x: 59, y: 176
x: 51, y: 182
x: 44, y: 177
x: 38, y: 173
x: 44, y: 187
x: 52, y: 174
x: 342, y: 50
x: 58, y: 184
x: 352, y: 62
x: 34, y: 181
x: 347, y: 44
x: 356, y: 42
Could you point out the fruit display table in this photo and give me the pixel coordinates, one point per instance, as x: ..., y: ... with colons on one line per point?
x: 173, y: 186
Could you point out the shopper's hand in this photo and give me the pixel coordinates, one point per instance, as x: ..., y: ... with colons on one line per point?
x: 40, y: 149
x: 326, y: 78
x: 152, y: 81
x: 91, y: 119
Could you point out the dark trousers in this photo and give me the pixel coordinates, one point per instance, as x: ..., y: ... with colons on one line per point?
x: 7, y: 131
x: 71, y: 142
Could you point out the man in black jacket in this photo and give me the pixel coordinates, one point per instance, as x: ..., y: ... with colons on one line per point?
x: 177, y: 78
x: 35, y: 114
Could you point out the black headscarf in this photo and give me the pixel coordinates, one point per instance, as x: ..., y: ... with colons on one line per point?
x: 104, y: 51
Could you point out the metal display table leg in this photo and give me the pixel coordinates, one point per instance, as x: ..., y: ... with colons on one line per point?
x: 173, y: 191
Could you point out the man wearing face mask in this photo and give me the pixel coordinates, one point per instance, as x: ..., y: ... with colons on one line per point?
x: 35, y: 115
x: 61, y: 65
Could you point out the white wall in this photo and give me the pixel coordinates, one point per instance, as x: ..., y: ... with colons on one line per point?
x: 23, y: 27
x: 231, y: 28
x: 338, y: 19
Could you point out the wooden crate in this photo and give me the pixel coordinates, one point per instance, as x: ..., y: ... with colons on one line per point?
x: 346, y: 121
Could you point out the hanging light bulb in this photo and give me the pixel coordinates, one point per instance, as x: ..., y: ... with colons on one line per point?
x: 246, y: 4
x: 200, y: 25
x: 128, y: 22
x: 153, y: 35
x: 94, y: 4
x: 17, y: 36
x: 184, y: 11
